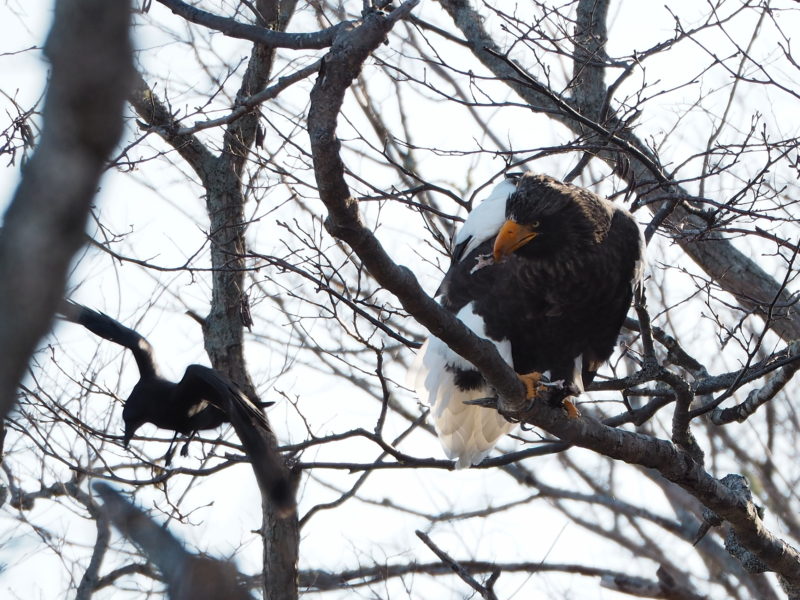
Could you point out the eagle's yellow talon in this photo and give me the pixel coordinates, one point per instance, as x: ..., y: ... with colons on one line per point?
x: 571, y: 410
x: 532, y: 382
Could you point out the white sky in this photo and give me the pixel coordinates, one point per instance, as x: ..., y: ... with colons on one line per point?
x: 162, y: 210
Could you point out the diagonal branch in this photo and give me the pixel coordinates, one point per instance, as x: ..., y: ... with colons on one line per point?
x: 188, y: 576
x: 758, y: 396
x: 157, y: 117
x: 457, y: 568
x: 253, y: 101
x: 339, y: 68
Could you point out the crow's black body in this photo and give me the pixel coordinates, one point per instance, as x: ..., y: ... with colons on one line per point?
x: 198, y: 401
x: 546, y: 271
x: 202, y: 399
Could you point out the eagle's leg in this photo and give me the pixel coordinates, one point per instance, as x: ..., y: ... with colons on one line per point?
x: 534, y: 386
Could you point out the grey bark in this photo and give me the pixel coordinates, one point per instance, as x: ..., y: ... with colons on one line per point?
x: 264, y: 34
x: 224, y: 326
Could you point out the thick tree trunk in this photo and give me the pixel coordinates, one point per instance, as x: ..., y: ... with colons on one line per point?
x: 224, y: 326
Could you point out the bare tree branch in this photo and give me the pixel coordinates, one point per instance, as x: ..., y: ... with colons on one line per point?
x: 457, y: 568
x: 188, y: 577
x: 254, y: 33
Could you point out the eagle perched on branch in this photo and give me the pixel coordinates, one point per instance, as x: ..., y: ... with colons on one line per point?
x: 546, y: 271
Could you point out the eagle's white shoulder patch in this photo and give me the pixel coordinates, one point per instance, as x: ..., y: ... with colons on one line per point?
x: 486, y: 219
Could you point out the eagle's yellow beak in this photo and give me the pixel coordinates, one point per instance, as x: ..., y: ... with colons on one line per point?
x: 511, y: 236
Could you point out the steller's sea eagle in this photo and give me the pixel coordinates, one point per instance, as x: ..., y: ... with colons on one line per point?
x: 546, y: 271
x: 203, y: 399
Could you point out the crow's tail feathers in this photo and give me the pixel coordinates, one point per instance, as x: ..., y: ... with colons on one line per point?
x: 274, y: 478
x: 248, y: 419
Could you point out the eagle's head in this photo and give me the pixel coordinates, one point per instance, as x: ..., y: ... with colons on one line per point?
x: 545, y: 216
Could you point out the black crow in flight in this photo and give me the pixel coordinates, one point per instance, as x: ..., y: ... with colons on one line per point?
x: 202, y: 399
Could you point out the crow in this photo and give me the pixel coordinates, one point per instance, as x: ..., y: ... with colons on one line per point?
x: 202, y: 399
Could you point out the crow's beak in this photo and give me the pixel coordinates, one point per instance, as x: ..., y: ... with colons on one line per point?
x: 128, y: 434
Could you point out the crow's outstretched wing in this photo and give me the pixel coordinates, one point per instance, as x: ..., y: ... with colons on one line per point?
x: 203, y: 399
x: 107, y: 328
x: 251, y: 426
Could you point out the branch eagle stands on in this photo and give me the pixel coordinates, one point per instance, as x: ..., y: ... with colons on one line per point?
x: 202, y: 399
x: 546, y: 271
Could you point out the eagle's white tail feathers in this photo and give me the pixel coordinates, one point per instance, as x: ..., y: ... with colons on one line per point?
x: 468, y: 433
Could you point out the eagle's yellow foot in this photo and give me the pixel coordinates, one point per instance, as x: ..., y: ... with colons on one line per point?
x: 533, y: 384
x: 569, y: 408
x: 534, y: 387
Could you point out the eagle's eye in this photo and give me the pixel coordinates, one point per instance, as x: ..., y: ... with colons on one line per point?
x: 534, y: 224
